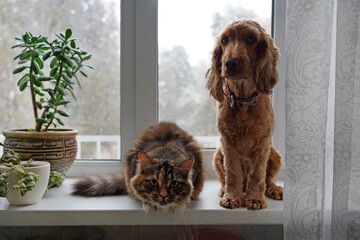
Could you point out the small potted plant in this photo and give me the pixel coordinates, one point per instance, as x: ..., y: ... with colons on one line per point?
x: 25, y: 182
x: 51, y: 92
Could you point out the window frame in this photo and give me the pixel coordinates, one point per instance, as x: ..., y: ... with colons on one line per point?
x: 139, y: 78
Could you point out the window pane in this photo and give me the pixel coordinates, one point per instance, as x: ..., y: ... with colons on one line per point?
x: 96, y: 26
x: 187, y: 31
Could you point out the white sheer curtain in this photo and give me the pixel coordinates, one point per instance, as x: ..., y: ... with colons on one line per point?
x: 322, y: 184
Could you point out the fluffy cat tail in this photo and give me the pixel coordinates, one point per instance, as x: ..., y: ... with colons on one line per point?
x: 100, y: 186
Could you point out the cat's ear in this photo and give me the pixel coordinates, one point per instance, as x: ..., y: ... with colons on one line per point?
x: 186, y: 165
x: 144, y: 160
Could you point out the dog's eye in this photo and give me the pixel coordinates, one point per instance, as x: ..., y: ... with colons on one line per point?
x: 250, y: 40
x: 225, y: 40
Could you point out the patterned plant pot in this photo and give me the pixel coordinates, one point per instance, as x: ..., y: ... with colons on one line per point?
x: 58, y: 146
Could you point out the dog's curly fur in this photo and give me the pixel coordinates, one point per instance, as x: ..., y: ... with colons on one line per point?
x: 245, y: 60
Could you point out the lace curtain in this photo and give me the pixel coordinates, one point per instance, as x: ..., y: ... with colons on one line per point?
x: 322, y: 183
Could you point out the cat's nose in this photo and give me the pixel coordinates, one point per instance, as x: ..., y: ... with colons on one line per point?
x: 163, y: 193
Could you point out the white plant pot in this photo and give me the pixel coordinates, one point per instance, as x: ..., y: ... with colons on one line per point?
x: 35, y: 195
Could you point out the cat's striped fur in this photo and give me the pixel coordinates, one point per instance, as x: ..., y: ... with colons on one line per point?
x: 164, y: 169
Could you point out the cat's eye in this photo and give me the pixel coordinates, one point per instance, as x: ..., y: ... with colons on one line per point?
x: 174, y: 184
x: 154, y: 183
x: 225, y: 40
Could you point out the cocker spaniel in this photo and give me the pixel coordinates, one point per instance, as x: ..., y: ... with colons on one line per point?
x: 241, y: 78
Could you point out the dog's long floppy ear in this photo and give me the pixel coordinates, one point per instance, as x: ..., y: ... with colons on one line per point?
x: 266, y: 74
x: 213, y: 75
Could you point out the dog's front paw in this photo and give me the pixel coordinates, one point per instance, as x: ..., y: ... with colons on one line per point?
x: 231, y: 202
x: 253, y: 203
x: 221, y: 192
x: 274, y: 192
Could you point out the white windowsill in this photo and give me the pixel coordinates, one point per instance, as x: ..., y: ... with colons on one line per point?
x: 60, y: 208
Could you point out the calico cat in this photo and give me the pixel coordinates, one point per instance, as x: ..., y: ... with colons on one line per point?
x: 164, y: 170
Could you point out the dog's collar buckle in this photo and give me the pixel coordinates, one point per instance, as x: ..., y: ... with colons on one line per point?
x: 253, y: 100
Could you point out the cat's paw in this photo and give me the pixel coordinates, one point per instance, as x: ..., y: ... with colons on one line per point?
x: 274, y: 192
x: 231, y: 202
x: 254, y: 203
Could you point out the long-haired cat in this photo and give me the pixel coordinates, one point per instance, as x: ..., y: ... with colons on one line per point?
x: 164, y: 170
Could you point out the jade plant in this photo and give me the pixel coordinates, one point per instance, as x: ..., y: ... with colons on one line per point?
x: 62, y: 61
x: 27, y: 179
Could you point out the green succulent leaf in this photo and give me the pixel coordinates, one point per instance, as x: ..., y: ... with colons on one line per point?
x: 46, y: 56
x: 83, y: 73
x: 60, y: 121
x: 36, y: 82
x: 54, y: 70
x: 39, y: 62
x: 19, y: 70
x: 68, y: 33
x: 49, y: 115
x: 40, y: 120
x: 23, y: 79
x: 54, y: 62
x: 23, y: 86
x: 73, y: 44
x: 67, y: 79
x: 63, y: 113
x: 57, y: 52
x: 44, y: 78
x: 35, y: 67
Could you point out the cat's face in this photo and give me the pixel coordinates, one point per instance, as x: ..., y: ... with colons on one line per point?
x: 163, y: 184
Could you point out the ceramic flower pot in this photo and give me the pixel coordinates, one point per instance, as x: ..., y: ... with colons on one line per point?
x: 41, y: 168
x: 57, y: 146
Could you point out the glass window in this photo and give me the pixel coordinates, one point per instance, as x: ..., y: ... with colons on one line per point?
x: 187, y: 30
x: 96, y: 26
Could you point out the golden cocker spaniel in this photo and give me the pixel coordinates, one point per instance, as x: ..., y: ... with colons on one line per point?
x: 241, y: 78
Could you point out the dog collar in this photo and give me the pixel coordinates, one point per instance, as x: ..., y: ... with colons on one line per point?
x: 233, y: 100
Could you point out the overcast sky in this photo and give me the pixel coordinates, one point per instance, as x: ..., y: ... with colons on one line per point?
x: 187, y: 23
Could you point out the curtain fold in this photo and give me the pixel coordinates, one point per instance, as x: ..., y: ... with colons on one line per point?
x: 322, y: 182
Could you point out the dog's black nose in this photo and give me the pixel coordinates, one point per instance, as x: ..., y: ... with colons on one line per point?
x: 232, y: 64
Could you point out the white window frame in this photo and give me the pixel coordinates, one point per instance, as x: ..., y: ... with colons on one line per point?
x: 139, y: 91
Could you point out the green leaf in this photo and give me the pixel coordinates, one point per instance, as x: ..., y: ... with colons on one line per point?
x: 35, y: 67
x: 64, y: 102
x: 72, y: 94
x: 54, y: 62
x: 49, y: 105
x: 20, y: 69
x: 36, y: 82
x: 73, y: 44
x: 61, y: 90
x: 89, y: 66
x: 49, y: 115
x: 87, y: 57
x: 24, y: 79
x: 23, y: 61
x: 40, y: 120
x: 53, y: 71
x: 31, y: 130
x: 25, y: 55
x: 46, y: 56
x: 52, y: 95
x: 23, y: 86
x: 35, y: 54
x: 67, y: 79
x: 57, y: 52
x: 60, y: 121
x: 85, y: 75
x: 39, y: 105
x: 44, y: 78
x: 63, y: 113
x: 40, y: 63
x: 68, y: 33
